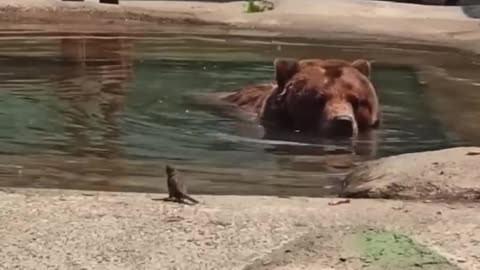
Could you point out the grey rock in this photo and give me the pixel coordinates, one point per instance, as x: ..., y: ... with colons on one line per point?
x: 450, y: 174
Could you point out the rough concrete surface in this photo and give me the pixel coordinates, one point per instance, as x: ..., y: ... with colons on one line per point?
x: 449, y: 174
x: 447, y: 25
x: 52, y: 229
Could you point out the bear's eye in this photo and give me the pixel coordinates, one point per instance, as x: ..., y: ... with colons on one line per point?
x: 287, y: 88
x: 363, y: 103
x: 355, y: 103
x: 358, y: 103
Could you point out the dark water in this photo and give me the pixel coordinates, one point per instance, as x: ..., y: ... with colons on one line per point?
x: 93, y: 112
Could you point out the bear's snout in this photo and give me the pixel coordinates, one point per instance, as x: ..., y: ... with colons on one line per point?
x: 342, y: 126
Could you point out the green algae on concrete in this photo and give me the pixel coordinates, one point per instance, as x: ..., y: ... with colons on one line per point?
x: 388, y: 250
x: 252, y: 6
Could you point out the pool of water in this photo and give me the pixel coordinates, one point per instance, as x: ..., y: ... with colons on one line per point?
x: 107, y: 113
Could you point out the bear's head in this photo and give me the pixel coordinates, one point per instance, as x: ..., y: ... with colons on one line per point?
x: 334, y: 97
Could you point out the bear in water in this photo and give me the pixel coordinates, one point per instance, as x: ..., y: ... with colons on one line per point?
x: 331, y: 97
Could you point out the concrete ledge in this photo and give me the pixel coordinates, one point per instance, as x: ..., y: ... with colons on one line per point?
x: 98, y: 230
x: 446, y: 25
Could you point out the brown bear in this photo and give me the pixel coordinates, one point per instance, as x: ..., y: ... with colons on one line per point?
x: 330, y: 97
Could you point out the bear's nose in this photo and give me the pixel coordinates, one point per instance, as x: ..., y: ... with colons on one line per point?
x: 342, y: 126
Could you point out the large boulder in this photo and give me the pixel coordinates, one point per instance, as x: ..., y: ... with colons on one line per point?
x: 450, y: 174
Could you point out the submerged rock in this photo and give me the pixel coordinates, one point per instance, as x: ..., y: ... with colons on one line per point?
x: 450, y: 174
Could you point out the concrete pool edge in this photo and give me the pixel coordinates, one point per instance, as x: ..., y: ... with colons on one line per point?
x: 438, y: 25
x: 70, y: 228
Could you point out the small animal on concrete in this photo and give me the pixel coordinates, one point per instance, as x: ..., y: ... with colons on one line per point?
x: 331, y: 97
x: 177, y: 190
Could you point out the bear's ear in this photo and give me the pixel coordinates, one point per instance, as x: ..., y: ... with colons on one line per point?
x: 284, y: 70
x: 363, y: 66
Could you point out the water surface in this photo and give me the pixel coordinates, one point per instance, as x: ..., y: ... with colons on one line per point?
x: 107, y: 112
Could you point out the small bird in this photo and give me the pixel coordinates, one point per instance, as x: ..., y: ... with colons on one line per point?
x: 177, y: 190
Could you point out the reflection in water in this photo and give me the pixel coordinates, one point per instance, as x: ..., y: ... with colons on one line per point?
x: 326, y: 155
x: 108, y: 113
x: 93, y: 84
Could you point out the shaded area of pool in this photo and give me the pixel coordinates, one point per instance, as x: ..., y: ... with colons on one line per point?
x: 107, y: 113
